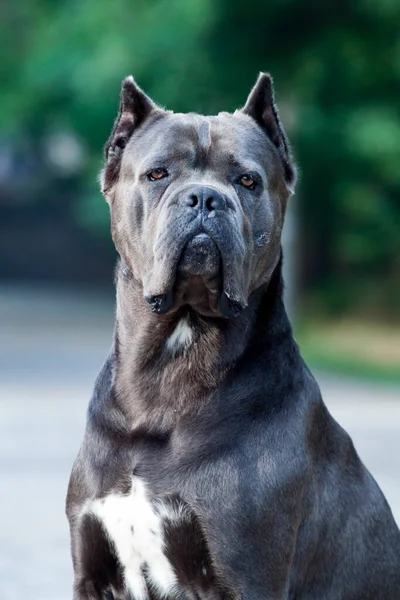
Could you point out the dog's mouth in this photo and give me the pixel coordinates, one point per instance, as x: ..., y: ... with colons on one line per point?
x: 199, y: 281
x: 201, y: 265
x: 200, y: 258
x: 199, y: 275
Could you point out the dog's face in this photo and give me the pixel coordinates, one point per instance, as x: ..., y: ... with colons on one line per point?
x: 197, y: 203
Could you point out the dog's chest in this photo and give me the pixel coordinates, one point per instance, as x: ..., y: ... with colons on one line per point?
x: 136, y: 528
x: 158, y: 543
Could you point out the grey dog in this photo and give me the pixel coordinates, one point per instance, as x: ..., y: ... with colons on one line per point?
x: 210, y: 467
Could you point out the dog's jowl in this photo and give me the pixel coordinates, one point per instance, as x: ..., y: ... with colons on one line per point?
x: 210, y: 466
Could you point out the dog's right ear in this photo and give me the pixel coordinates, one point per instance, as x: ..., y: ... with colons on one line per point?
x: 135, y: 106
x: 261, y: 107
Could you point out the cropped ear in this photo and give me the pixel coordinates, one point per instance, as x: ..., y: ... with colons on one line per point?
x: 261, y: 107
x: 134, y: 108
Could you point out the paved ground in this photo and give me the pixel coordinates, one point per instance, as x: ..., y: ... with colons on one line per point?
x: 52, y: 345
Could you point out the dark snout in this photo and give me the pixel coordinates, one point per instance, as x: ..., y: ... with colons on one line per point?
x: 200, y: 245
x: 201, y: 255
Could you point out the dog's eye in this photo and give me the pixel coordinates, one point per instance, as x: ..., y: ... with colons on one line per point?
x: 156, y: 174
x: 247, y: 181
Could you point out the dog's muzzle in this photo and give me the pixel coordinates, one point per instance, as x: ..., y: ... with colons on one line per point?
x: 203, y: 241
x: 201, y: 257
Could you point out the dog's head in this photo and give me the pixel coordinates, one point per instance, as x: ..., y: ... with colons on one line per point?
x: 197, y: 203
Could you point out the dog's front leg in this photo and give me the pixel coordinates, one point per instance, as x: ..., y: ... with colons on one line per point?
x: 88, y: 590
x: 254, y: 566
x: 255, y: 592
x: 96, y: 570
x: 256, y: 524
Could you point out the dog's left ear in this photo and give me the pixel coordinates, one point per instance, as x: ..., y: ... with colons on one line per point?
x: 261, y: 107
x: 134, y: 108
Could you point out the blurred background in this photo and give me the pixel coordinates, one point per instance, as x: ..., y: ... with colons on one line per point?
x: 336, y: 67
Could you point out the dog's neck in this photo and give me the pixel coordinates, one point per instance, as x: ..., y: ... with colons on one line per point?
x: 167, y: 366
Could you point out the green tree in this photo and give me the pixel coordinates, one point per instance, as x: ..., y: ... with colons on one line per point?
x: 336, y: 67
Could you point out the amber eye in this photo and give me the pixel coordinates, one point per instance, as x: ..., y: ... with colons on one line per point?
x: 247, y: 181
x: 156, y: 174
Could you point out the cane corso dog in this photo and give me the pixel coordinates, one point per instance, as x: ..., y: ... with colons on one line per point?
x: 210, y: 467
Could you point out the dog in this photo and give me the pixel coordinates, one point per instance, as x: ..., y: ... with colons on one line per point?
x: 210, y: 466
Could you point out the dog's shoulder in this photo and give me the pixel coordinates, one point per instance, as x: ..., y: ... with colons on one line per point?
x: 101, y: 456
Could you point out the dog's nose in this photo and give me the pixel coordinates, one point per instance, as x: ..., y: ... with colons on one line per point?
x: 205, y: 199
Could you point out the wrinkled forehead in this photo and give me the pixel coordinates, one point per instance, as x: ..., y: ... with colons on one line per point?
x: 216, y: 142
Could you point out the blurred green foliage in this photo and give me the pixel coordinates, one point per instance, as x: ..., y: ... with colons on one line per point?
x: 336, y: 66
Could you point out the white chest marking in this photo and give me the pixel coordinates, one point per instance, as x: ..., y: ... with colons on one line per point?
x: 181, y: 337
x: 135, y: 528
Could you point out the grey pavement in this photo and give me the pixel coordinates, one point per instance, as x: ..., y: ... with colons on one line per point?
x: 52, y: 346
